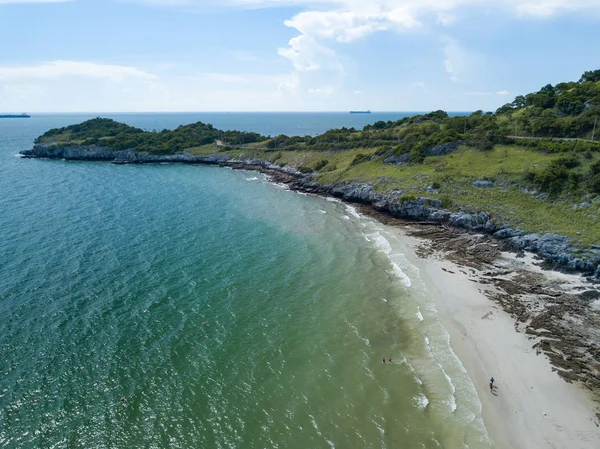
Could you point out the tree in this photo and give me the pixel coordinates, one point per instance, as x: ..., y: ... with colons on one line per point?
x: 590, y: 76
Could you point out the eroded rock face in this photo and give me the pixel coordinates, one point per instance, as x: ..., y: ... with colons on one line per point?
x: 99, y: 153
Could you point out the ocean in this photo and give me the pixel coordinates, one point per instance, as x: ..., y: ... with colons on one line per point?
x: 225, y: 310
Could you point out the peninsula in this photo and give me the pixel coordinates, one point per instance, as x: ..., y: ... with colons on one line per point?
x: 525, y: 179
x: 528, y: 174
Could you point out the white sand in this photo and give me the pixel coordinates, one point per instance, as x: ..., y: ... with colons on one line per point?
x: 532, y: 407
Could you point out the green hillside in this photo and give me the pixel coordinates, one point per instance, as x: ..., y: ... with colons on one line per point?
x: 540, y: 155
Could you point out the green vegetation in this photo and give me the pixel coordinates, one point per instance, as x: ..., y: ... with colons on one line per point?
x: 541, y: 151
x: 118, y: 136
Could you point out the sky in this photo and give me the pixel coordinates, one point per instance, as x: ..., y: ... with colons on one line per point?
x: 288, y: 55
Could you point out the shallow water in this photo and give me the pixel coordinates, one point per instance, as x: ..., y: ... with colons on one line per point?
x: 226, y: 310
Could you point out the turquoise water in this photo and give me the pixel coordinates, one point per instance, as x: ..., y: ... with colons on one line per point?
x: 226, y: 310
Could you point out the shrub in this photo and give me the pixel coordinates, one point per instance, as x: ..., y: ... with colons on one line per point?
x: 321, y: 164
x: 359, y: 158
x: 553, y: 178
x: 416, y: 155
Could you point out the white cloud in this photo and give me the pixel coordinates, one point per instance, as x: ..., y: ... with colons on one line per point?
x: 306, y: 54
x: 323, y: 24
x: 62, y: 69
x: 67, y: 86
x: 461, y: 63
x: 503, y: 93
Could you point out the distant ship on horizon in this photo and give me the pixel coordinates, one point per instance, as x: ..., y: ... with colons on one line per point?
x: 23, y: 115
x: 368, y: 111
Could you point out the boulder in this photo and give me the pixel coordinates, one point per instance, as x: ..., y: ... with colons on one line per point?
x: 443, y: 149
x: 483, y: 184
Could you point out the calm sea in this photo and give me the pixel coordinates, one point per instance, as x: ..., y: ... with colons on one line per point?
x: 227, y: 311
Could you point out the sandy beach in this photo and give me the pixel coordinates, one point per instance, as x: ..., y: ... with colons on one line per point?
x: 531, y: 405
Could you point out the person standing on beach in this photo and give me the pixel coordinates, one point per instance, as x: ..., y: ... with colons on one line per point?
x: 390, y: 359
x: 384, y: 360
x: 492, y: 387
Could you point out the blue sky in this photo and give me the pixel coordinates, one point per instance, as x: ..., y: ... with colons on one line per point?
x: 288, y: 55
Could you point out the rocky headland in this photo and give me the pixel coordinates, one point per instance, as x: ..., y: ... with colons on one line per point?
x: 555, y: 250
x: 561, y: 319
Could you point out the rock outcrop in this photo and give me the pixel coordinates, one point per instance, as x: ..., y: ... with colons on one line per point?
x: 100, y: 153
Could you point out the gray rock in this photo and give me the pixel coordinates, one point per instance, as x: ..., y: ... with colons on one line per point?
x: 396, y: 160
x: 443, y: 149
x: 354, y: 192
x: 582, y: 205
x: 483, y: 184
x: 508, y: 233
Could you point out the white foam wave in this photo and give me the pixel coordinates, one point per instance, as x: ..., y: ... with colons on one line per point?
x: 397, y: 271
x: 427, y: 342
x: 381, y: 429
x: 333, y: 200
x: 352, y: 211
x: 449, y: 379
x: 384, y: 245
x: 452, y: 399
x: 315, y: 425
x: 420, y: 315
x: 355, y: 330
x: 452, y: 403
x: 421, y: 401
x: 254, y: 178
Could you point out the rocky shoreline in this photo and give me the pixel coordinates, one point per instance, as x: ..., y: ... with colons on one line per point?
x: 556, y: 250
x: 562, y: 319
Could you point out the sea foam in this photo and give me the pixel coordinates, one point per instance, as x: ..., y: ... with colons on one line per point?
x: 421, y: 401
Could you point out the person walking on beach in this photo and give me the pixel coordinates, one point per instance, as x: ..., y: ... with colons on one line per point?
x: 492, y: 387
x: 384, y: 360
x: 390, y: 359
x: 492, y: 381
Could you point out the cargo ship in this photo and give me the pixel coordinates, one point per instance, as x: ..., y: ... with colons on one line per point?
x: 23, y: 115
x: 368, y: 111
